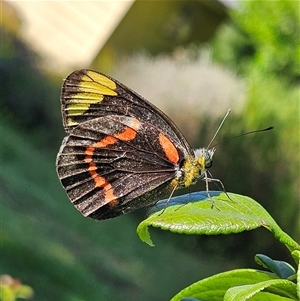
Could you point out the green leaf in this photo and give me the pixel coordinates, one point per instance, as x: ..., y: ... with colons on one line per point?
x: 214, y: 288
x: 277, y: 289
x: 280, y: 268
x: 296, y: 256
x: 221, y: 213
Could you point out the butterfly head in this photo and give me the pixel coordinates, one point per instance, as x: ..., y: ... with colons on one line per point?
x: 195, y: 167
x: 204, y: 156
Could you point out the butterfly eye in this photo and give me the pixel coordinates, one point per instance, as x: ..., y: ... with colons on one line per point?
x: 208, y: 163
x: 208, y: 158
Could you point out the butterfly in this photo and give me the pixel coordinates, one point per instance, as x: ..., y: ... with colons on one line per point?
x: 121, y: 152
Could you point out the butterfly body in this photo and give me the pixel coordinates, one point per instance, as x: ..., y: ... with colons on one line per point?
x: 121, y: 153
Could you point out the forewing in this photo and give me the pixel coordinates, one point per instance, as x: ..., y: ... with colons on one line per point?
x: 88, y: 94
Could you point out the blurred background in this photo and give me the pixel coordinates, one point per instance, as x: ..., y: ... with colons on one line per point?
x: 194, y: 60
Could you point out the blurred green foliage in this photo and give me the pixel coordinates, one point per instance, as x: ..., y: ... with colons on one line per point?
x: 28, y: 95
x: 262, y: 36
x: 261, y: 42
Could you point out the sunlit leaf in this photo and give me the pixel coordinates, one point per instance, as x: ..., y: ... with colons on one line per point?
x: 215, y: 287
x: 275, y: 290
x: 219, y: 213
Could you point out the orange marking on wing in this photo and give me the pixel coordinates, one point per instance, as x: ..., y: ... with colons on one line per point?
x: 89, y: 154
x: 127, y: 135
x: 100, y: 144
x: 169, y: 148
x: 114, y: 202
x: 105, y: 142
x: 109, y: 194
x: 101, y: 182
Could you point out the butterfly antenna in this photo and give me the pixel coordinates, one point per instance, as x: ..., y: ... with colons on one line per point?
x: 255, y: 131
x: 217, y: 131
x: 247, y: 133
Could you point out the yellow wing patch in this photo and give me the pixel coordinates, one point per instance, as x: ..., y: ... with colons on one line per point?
x: 92, y: 76
x: 90, y: 88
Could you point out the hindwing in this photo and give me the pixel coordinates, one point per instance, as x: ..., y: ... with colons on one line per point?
x: 115, y: 164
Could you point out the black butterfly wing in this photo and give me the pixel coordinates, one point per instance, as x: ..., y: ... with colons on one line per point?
x: 115, y: 164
